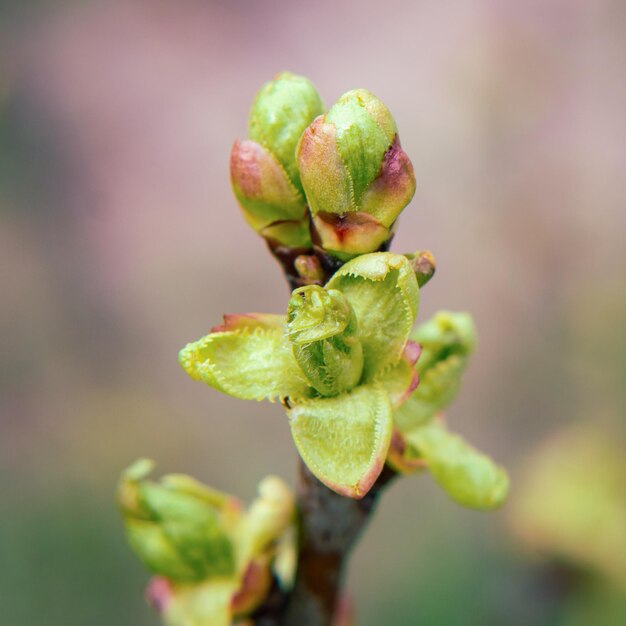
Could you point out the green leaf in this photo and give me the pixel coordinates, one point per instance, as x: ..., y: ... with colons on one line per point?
x: 248, y: 363
x: 466, y: 475
x: 315, y: 313
x: 437, y: 388
x: 382, y: 289
x: 322, y: 328
x: 344, y: 440
x: 447, y: 339
x: 401, y: 379
x: 148, y: 541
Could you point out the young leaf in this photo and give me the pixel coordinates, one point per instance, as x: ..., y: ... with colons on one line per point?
x: 251, y: 364
x: 437, y: 388
x: 466, y: 475
x: 344, y: 440
x: 323, y: 331
x: 401, y: 379
x: 447, y: 339
x: 383, y: 291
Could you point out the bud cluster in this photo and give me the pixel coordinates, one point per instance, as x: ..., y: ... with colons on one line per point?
x: 334, y: 182
x: 212, y: 559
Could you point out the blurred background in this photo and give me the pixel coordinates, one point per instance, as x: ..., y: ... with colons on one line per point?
x: 120, y: 241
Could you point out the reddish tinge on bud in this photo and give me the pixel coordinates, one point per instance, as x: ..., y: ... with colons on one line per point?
x: 356, y: 177
x: 263, y: 168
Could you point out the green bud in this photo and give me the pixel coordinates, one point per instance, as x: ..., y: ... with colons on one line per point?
x: 447, y: 340
x: 444, y: 335
x: 268, y: 518
x: 178, y: 527
x: 356, y: 176
x: 264, y: 171
x: 281, y: 111
x: 322, y: 328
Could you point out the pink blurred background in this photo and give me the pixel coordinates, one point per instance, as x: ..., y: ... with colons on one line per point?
x: 120, y: 241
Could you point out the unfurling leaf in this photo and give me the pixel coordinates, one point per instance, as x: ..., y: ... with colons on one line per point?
x: 466, y: 475
x: 323, y: 330
x: 382, y: 290
x: 344, y: 440
x: 446, y: 340
x: 349, y: 336
x: 252, y: 363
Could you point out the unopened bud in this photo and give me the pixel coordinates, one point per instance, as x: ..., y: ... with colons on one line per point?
x: 309, y: 268
x: 322, y: 329
x: 423, y: 264
x: 443, y: 336
x: 264, y: 172
x: 176, y: 527
x: 356, y: 176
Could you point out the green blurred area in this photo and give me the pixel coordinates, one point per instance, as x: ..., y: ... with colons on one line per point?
x: 120, y: 241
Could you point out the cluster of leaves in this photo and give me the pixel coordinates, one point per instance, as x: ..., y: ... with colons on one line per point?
x: 344, y: 362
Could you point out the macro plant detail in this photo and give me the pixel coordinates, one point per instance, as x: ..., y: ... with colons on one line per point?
x: 212, y: 559
x: 364, y: 389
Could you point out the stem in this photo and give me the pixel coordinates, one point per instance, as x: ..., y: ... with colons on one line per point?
x: 330, y: 524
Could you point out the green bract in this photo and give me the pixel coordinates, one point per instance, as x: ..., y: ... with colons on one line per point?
x: 264, y: 172
x: 340, y: 362
x: 212, y: 559
x: 356, y: 177
x: 422, y: 440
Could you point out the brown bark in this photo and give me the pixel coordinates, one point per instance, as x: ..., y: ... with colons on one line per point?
x: 329, y: 526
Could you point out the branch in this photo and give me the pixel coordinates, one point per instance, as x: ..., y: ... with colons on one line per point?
x: 329, y: 526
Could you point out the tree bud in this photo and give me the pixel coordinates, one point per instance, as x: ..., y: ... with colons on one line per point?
x: 443, y: 336
x: 309, y: 269
x: 423, y: 264
x: 322, y: 329
x: 264, y: 172
x: 356, y: 177
x: 177, y: 527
